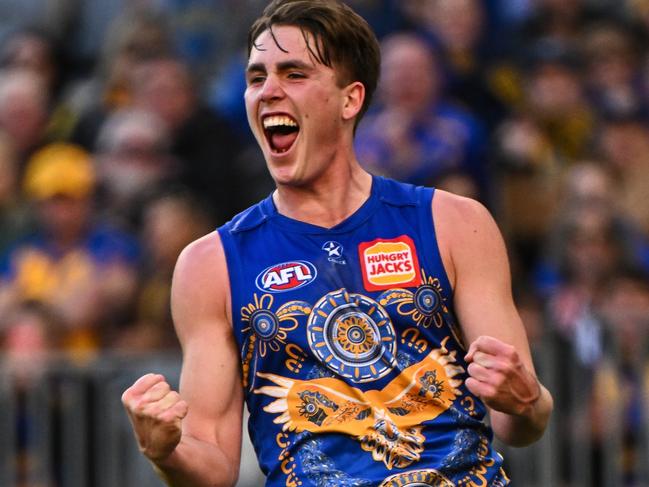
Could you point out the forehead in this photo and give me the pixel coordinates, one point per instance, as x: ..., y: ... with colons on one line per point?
x: 284, y: 42
x: 405, y: 51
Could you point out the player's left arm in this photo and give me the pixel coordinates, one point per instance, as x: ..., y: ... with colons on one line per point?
x: 500, y: 367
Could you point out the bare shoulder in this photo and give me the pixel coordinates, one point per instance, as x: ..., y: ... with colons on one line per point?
x: 200, y: 289
x: 201, y: 257
x: 464, y: 228
x: 455, y: 214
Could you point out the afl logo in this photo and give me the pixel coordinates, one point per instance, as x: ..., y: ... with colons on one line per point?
x: 286, y: 276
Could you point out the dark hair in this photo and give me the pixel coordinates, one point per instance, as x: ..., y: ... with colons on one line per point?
x: 343, y: 39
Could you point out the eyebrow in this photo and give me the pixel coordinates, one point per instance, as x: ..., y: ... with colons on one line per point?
x: 281, y: 67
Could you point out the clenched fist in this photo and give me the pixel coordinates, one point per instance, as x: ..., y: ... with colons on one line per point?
x: 499, y: 377
x: 156, y: 413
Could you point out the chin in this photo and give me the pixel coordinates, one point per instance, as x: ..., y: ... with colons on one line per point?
x: 287, y: 180
x: 282, y: 175
x: 285, y: 172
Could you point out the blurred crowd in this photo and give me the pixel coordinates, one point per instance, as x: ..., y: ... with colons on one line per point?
x: 123, y: 137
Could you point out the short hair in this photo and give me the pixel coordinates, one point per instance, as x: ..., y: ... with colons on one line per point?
x: 343, y: 39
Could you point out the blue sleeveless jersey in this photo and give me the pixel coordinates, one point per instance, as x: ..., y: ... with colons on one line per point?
x: 352, y: 360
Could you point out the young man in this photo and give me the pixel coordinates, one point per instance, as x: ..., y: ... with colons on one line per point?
x: 370, y: 323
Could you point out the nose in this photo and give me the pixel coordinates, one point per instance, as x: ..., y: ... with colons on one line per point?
x: 272, y: 89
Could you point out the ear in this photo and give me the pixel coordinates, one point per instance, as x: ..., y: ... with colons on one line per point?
x: 353, y: 97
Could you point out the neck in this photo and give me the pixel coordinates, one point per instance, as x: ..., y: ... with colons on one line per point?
x: 332, y: 198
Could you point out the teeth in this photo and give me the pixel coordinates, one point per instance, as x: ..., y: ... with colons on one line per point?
x: 279, y: 120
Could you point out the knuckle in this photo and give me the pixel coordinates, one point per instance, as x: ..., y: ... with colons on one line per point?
x: 140, y: 409
x: 168, y: 418
x: 473, y: 369
x: 153, y: 411
x: 126, y: 397
x: 505, y: 368
x: 158, y: 415
x: 170, y: 399
x: 511, y: 353
x: 499, y: 379
x: 164, y: 385
x: 184, y: 408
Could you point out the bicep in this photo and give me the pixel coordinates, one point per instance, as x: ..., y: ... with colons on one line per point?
x: 210, y: 379
x: 482, y: 295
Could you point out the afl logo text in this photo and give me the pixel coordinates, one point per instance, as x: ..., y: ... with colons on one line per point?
x: 286, y: 276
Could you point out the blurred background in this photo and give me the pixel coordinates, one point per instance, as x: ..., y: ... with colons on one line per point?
x: 123, y: 137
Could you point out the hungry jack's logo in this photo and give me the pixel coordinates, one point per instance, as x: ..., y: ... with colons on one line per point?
x: 387, y: 263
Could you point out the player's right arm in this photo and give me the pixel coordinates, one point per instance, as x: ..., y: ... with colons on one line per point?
x: 193, y: 438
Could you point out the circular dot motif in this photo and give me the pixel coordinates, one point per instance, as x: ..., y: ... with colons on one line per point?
x: 418, y: 478
x: 265, y: 324
x: 427, y: 300
x: 352, y: 335
x: 355, y: 336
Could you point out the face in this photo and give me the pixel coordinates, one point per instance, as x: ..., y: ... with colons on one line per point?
x: 169, y: 226
x: 410, y: 79
x: 590, y: 250
x: 300, y: 116
x: 165, y: 89
x: 458, y: 22
x: 23, y: 112
x: 554, y: 90
x: 625, y: 144
x: 65, y: 217
x: 32, y: 53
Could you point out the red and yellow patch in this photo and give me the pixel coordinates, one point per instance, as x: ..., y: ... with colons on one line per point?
x: 387, y: 263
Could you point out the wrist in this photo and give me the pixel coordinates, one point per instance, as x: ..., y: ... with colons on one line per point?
x: 522, y: 429
x: 530, y: 403
x: 537, y: 412
x: 165, y: 461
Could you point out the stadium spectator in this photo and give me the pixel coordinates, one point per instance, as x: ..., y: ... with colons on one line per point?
x: 619, y: 411
x: 133, y: 38
x: 84, y: 271
x: 29, y: 335
x: 133, y: 159
x: 532, y: 148
x: 610, y: 56
x: 459, y: 30
x: 414, y: 134
x: 204, y: 145
x: 623, y: 141
x: 172, y: 219
x: 588, y: 184
x: 37, y: 50
x: 590, y: 248
x: 24, y: 111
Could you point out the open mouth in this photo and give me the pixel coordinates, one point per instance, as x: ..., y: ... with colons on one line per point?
x: 281, y: 132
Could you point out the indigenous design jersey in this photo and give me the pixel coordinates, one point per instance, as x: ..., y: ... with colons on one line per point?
x: 352, y: 361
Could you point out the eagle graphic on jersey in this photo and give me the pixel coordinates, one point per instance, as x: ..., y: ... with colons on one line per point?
x: 385, y: 422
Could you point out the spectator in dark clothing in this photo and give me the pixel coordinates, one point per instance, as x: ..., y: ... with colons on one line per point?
x: 131, y: 40
x: 204, y: 144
